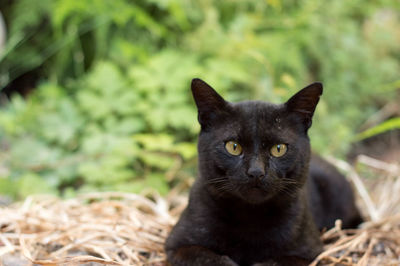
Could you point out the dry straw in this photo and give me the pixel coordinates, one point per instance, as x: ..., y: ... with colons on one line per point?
x: 127, y: 229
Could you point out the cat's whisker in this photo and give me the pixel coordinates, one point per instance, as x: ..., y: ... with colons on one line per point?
x: 289, y: 181
x: 217, y: 180
x: 288, y: 191
x: 222, y: 185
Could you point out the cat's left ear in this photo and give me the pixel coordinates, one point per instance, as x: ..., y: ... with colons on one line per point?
x: 304, y: 102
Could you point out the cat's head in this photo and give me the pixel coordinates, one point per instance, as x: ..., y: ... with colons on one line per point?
x: 254, y: 150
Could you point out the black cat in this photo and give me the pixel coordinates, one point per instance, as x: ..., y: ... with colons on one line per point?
x: 261, y: 196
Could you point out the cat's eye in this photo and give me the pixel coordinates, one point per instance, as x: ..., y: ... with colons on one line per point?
x: 278, y: 150
x: 233, y: 148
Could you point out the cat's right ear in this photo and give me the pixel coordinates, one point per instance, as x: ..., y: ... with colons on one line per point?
x: 209, y: 103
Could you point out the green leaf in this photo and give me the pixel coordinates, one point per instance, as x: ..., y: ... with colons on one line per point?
x: 29, y: 184
x: 157, y: 160
x: 391, y: 124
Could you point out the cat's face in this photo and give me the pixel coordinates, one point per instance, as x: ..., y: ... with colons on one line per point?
x: 254, y: 150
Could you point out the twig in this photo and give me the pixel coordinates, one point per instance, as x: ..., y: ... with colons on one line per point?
x: 388, y: 167
x: 390, y: 109
x: 359, y: 185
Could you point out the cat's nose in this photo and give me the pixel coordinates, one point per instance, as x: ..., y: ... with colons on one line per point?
x: 256, y: 172
x: 256, y: 169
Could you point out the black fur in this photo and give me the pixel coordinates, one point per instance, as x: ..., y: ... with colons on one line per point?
x: 256, y: 209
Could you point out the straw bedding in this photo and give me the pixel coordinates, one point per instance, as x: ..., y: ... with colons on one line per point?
x: 127, y: 229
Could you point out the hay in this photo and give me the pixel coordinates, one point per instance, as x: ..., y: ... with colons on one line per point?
x: 105, y: 228
x: 377, y: 243
x: 126, y: 229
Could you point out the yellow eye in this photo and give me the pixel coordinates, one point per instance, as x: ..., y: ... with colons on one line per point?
x: 278, y: 150
x: 233, y: 148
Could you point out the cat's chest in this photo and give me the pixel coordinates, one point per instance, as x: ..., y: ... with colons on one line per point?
x: 258, y: 234
x: 251, y: 243
x: 253, y: 231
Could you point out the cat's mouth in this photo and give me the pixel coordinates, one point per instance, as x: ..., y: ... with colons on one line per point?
x: 256, y: 184
x: 256, y: 192
x: 255, y: 189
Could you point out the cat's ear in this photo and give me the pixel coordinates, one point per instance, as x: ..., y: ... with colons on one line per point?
x: 304, y: 102
x: 209, y: 103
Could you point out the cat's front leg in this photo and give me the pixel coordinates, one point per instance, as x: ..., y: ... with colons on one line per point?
x: 197, y: 255
x: 285, y: 261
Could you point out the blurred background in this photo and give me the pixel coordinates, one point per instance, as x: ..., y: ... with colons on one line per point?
x: 95, y: 94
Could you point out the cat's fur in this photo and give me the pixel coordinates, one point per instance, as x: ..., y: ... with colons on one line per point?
x: 255, y: 209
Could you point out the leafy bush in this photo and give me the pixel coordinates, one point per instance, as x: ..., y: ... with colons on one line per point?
x: 114, y: 111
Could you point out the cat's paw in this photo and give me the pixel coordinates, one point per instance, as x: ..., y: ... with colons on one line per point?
x: 267, y: 263
x: 285, y: 261
x: 226, y: 261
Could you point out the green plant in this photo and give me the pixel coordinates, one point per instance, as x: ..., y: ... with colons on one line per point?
x: 391, y: 124
x: 113, y: 108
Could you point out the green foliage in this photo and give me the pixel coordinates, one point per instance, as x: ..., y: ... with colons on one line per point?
x: 114, y: 110
x: 388, y: 125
